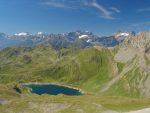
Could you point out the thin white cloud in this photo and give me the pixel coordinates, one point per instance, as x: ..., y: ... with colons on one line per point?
x: 141, y: 24
x: 115, y: 9
x: 144, y: 10
x: 106, y: 13
x: 68, y: 4
x: 54, y: 4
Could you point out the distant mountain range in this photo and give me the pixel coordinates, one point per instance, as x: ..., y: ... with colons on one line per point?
x: 78, y: 39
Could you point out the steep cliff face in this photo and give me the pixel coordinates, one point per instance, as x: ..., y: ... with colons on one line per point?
x: 135, y: 49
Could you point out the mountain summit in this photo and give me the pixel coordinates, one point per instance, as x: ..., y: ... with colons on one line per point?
x: 78, y: 39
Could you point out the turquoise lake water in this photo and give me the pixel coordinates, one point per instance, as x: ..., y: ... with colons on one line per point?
x: 52, y: 89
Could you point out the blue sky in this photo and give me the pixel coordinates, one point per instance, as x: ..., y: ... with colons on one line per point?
x: 102, y: 17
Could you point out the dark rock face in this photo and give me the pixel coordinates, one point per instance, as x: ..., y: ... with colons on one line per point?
x: 76, y: 39
x: 17, y: 88
x: 107, y: 41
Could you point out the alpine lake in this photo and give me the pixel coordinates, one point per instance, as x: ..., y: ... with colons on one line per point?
x: 53, y: 89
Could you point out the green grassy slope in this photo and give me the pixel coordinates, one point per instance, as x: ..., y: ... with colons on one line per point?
x: 84, y: 68
x: 89, y: 69
x: 31, y: 103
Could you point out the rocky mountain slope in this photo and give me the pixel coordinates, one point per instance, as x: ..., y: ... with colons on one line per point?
x: 78, y: 39
x: 134, y: 50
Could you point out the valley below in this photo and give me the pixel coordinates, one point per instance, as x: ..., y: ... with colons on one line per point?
x: 114, y: 79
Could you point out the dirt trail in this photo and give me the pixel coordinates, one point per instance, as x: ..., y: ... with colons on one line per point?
x: 126, y: 69
x: 146, y: 110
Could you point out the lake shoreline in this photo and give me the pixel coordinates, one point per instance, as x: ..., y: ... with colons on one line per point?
x: 75, y: 88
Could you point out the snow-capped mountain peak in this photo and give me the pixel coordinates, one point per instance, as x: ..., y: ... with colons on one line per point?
x: 22, y: 34
x: 70, y: 39
x: 126, y: 34
x: 83, y: 36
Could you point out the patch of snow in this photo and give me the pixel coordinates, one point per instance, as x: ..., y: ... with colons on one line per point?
x: 83, y: 36
x: 78, y: 33
x: 22, y: 34
x: 123, y: 34
x: 88, y: 40
x: 40, y: 33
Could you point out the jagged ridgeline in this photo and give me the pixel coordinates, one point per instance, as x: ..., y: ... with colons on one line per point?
x: 78, y: 39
